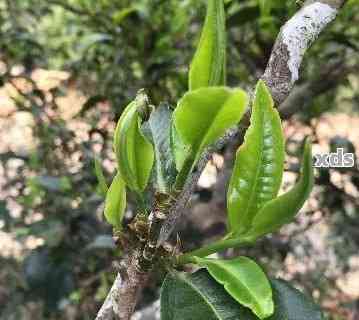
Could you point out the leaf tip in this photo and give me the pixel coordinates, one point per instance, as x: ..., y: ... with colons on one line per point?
x: 262, y: 92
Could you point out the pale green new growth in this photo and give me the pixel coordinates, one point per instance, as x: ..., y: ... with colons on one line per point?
x: 283, y: 209
x: 208, y: 67
x: 201, y: 118
x: 135, y: 155
x: 258, y: 168
x: 115, y: 203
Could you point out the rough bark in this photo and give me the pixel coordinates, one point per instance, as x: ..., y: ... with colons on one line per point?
x: 294, y: 39
x: 121, y: 301
x: 282, y: 71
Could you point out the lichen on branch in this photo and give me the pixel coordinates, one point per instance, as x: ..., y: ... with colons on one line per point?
x: 294, y: 39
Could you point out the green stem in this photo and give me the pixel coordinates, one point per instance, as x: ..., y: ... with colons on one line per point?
x: 213, y: 248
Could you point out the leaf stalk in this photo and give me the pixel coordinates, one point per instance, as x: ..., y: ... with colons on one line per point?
x: 214, y: 247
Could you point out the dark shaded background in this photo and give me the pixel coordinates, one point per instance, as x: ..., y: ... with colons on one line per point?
x: 67, y: 70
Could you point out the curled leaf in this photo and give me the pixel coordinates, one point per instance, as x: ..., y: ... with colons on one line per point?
x: 245, y: 281
x: 115, y: 203
x: 135, y: 155
x: 208, y: 67
x: 160, y: 130
x: 283, y: 209
x: 258, y: 167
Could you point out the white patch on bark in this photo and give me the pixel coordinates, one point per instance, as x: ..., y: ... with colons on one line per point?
x: 302, y: 30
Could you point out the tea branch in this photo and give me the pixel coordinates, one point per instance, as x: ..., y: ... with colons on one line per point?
x: 121, y: 300
x: 282, y: 71
x: 294, y: 39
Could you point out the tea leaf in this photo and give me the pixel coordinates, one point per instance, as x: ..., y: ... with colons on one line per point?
x: 245, y: 281
x: 283, y: 209
x: 291, y: 304
x: 135, y: 155
x: 165, y: 169
x: 203, y: 116
x: 115, y: 203
x: 208, y: 67
x: 198, y: 296
x: 258, y: 168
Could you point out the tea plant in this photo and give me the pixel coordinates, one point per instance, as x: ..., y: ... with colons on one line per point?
x: 158, y: 150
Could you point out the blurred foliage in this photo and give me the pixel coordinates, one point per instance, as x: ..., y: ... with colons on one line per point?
x: 111, y: 49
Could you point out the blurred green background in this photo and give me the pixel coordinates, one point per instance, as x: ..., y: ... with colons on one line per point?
x: 67, y: 70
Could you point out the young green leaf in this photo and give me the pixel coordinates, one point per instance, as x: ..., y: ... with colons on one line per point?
x: 258, y: 168
x: 165, y: 168
x: 280, y: 211
x: 197, y: 296
x: 203, y: 116
x: 209, y: 62
x: 100, y: 177
x: 245, y: 281
x: 115, y: 203
x: 135, y: 155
